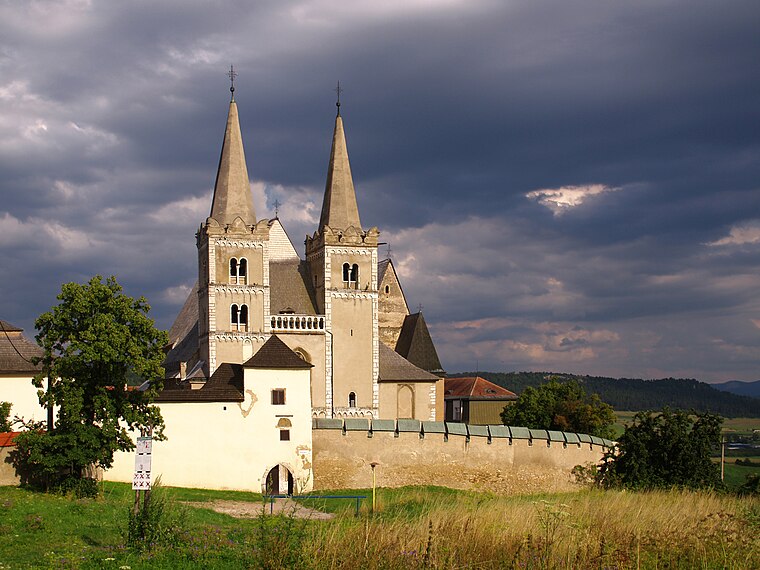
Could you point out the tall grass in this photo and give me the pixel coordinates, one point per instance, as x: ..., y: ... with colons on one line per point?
x: 594, y: 529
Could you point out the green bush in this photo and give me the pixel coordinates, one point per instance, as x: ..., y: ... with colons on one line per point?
x: 84, y: 488
x: 158, y: 522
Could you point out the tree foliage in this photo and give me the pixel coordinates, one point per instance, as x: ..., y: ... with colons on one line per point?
x: 563, y: 406
x: 670, y: 448
x: 5, y: 416
x: 93, y: 341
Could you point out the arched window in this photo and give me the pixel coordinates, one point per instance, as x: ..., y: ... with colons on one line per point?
x: 243, y: 318
x: 387, y: 289
x: 233, y: 270
x: 242, y: 271
x: 354, y: 277
x: 234, y: 317
x: 238, y: 317
x: 346, y: 272
x: 352, y: 400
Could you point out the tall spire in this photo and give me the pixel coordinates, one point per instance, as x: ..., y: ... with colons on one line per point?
x: 339, y: 210
x: 232, y: 191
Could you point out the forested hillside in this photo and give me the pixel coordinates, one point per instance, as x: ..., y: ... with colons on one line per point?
x: 635, y: 394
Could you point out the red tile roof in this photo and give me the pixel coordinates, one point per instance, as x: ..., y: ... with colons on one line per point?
x: 6, y: 438
x: 476, y: 388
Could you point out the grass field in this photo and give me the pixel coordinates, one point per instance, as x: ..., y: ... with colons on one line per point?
x: 415, y: 527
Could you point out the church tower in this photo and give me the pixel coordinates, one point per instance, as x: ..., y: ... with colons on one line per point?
x: 342, y: 258
x: 233, y: 265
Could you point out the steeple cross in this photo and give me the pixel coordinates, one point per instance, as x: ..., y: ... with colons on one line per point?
x: 232, y: 75
x: 277, y: 209
x: 338, y: 91
x: 389, y: 250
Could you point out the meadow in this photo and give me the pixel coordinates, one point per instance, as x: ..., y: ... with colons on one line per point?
x: 414, y: 527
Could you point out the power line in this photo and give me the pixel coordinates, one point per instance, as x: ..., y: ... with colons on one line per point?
x: 2, y: 326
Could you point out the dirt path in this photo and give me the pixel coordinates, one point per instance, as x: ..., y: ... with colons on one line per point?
x: 248, y: 510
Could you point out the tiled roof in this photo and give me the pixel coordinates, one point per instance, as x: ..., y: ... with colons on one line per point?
x: 290, y: 288
x: 396, y: 368
x: 183, y: 336
x: 6, y: 438
x: 382, y: 266
x: 416, y: 345
x: 16, y: 350
x: 225, y: 385
x: 276, y: 354
x: 476, y: 389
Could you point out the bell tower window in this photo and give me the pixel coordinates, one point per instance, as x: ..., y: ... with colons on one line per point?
x: 350, y: 275
x: 239, y: 271
x: 238, y: 317
x: 352, y: 400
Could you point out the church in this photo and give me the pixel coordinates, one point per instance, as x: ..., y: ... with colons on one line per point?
x: 340, y: 309
x: 268, y: 342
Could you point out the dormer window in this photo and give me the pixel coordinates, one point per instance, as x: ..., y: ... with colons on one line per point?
x: 239, y: 271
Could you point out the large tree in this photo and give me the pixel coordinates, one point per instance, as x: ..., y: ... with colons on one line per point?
x: 563, y: 406
x: 93, y: 341
x: 669, y: 448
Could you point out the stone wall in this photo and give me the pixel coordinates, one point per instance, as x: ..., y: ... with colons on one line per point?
x: 485, y: 458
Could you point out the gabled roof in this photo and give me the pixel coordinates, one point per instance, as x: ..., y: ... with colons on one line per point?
x: 396, y: 368
x: 232, y: 191
x: 183, y: 335
x: 225, y: 385
x: 339, y: 209
x: 416, y: 345
x: 291, y: 288
x: 382, y: 265
x: 476, y: 388
x: 276, y: 354
x: 16, y: 351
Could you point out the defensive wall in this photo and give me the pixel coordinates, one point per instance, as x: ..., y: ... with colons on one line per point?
x: 496, y: 458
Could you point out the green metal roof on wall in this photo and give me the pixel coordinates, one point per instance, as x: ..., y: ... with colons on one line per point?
x: 456, y: 428
x: 596, y: 440
x: 499, y: 431
x: 556, y: 436
x: 538, y: 434
x: 478, y: 431
x: 356, y: 424
x: 383, y: 425
x: 572, y: 438
x: 608, y: 443
x: 519, y: 432
x: 408, y: 425
x: 433, y: 427
x: 584, y: 438
x: 329, y: 423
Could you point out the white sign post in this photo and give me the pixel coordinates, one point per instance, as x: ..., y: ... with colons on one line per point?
x: 141, y: 479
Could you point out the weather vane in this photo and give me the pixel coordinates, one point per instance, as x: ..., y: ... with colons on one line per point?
x: 338, y: 90
x: 277, y: 209
x: 419, y: 308
x: 232, y: 75
x: 389, y: 250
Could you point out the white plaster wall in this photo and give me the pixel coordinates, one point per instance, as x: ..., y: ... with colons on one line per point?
x: 230, y: 445
x: 21, y: 393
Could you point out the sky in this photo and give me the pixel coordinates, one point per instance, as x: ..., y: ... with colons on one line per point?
x: 565, y: 186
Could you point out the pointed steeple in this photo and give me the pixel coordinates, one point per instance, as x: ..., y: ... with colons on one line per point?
x: 232, y: 191
x: 339, y: 210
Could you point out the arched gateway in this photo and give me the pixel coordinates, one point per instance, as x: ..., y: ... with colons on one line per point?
x: 279, y: 481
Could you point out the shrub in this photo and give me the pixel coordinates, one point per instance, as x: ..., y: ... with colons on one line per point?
x: 159, y: 521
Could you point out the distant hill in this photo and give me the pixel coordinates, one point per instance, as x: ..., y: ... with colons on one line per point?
x: 635, y: 394
x: 741, y: 388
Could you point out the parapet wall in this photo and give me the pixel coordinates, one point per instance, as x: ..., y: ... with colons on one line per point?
x: 500, y: 459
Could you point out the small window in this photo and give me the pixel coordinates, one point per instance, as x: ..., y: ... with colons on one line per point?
x: 346, y: 272
x: 284, y: 435
x: 242, y: 271
x: 234, y: 317
x: 243, y: 317
x: 387, y: 289
x: 278, y: 397
x: 352, y: 400
x: 354, y: 277
x: 233, y: 270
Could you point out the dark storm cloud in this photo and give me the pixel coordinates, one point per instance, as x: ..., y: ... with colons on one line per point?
x: 639, y: 123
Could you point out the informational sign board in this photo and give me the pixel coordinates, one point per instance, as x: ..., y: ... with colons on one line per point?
x: 141, y: 479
